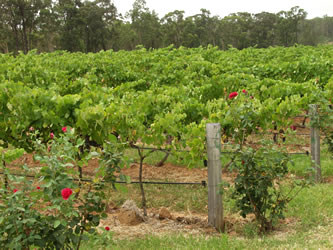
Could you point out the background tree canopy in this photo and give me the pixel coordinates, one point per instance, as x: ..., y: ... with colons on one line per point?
x: 90, y: 26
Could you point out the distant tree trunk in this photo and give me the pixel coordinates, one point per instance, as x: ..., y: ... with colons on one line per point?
x: 4, y: 47
x: 24, y: 31
x: 17, y: 38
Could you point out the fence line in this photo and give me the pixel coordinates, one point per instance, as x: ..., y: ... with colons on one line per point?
x: 222, y: 152
x: 214, y: 151
x: 202, y: 183
x: 213, y: 135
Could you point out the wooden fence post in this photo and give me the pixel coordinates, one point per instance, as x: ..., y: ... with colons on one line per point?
x: 215, y: 206
x: 315, y: 140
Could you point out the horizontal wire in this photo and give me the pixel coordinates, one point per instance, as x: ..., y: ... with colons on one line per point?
x: 278, y: 133
x: 203, y: 183
x: 222, y: 152
x: 295, y: 153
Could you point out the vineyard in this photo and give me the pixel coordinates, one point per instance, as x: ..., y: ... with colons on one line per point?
x: 156, y: 100
x: 149, y: 95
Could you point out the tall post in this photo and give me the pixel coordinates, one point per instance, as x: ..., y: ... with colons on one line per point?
x: 215, y: 206
x: 315, y: 141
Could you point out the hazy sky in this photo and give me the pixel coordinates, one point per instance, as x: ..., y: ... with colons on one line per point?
x: 314, y: 8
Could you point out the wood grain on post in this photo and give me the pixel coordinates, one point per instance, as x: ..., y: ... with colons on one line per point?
x: 215, y: 206
x: 315, y: 140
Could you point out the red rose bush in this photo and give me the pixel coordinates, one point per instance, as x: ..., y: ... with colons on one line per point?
x: 44, y: 216
x: 66, y: 193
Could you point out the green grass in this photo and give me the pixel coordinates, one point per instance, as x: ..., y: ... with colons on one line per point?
x: 309, y: 214
x: 318, y: 238
x: 175, y: 197
x: 302, y: 164
x: 311, y: 211
x: 313, y: 206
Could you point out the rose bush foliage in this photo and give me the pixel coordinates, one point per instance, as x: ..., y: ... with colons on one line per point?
x: 53, y: 211
x: 261, y: 186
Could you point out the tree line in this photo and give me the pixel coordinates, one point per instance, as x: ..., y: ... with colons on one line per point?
x: 91, y: 26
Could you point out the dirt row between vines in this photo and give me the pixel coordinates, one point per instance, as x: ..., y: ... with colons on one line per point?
x: 129, y: 222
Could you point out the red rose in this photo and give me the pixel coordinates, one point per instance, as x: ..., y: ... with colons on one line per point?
x: 38, y: 187
x: 51, y: 135
x: 66, y: 192
x: 244, y: 91
x: 64, y: 129
x: 15, y: 190
x: 233, y: 95
x: 107, y: 228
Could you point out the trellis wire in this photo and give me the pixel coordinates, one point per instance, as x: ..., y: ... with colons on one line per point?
x: 223, y: 152
x: 202, y: 183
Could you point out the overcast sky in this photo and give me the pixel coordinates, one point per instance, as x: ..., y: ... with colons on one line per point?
x: 314, y: 8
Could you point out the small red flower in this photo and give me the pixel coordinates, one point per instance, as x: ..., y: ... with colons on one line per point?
x: 31, y: 129
x: 15, y: 190
x: 107, y: 228
x: 293, y: 127
x: 64, y: 129
x: 233, y: 95
x: 66, y: 192
x: 38, y: 187
x: 244, y: 91
x: 51, y: 135
x: 243, y: 162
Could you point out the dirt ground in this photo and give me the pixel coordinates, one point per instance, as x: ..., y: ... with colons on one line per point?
x: 130, y: 223
x: 127, y: 223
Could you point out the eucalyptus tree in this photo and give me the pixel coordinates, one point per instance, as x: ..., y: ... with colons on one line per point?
x: 21, y: 18
x: 190, y: 37
x: 289, y: 24
x: 264, y: 29
x: 207, y: 28
x: 145, y: 24
x: 70, y: 25
x: 328, y: 27
x: 97, y: 19
x: 86, y: 26
x: 5, y: 33
x: 173, y: 24
x: 237, y: 28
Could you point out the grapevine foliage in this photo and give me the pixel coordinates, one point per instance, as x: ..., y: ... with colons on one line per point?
x: 150, y: 96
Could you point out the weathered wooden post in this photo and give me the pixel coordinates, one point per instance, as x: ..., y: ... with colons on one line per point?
x: 315, y: 140
x: 215, y: 206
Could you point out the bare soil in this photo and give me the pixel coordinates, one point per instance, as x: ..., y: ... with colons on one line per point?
x: 185, y: 222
